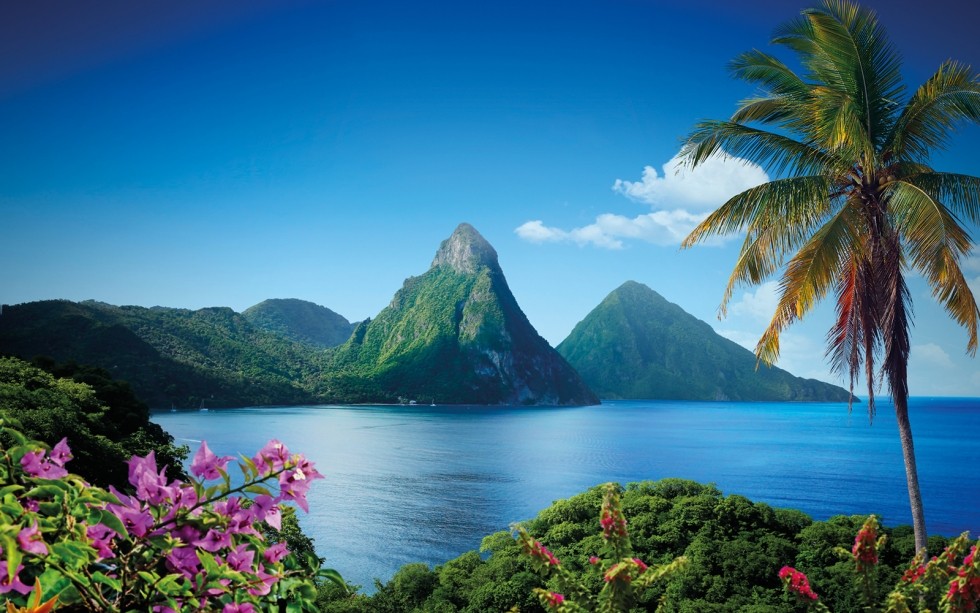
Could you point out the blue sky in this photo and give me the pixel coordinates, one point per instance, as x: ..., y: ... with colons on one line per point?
x: 220, y: 153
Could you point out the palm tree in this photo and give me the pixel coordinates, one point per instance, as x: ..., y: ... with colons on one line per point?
x: 855, y: 207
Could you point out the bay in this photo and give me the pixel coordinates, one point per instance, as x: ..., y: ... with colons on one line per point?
x: 421, y: 483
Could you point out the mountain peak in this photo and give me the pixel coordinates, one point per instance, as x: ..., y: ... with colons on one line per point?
x: 465, y: 251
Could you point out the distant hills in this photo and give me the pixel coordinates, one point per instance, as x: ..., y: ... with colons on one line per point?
x: 179, y: 357
x: 636, y: 344
x: 300, y: 321
x: 453, y: 335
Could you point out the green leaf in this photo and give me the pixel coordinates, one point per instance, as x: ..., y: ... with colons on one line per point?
x: 73, y: 555
x: 260, y: 490
x: 50, y: 489
x: 101, y: 516
x: 10, y: 489
x: 100, y: 577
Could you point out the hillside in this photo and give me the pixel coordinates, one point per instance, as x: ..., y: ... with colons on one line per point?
x: 171, y: 357
x: 455, y: 334
x: 301, y: 321
x: 636, y: 344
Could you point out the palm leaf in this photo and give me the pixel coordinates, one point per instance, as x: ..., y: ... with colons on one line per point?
x: 810, y: 274
x: 948, y: 97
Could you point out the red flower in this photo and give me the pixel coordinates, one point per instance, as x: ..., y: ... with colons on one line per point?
x: 796, y: 582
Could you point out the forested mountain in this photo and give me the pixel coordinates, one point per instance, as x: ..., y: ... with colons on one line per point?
x: 301, y: 321
x: 455, y: 334
x: 170, y: 356
x: 636, y: 344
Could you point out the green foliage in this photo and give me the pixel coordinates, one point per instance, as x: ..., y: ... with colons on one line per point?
x: 636, y: 344
x: 106, y: 423
x: 734, y: 549
x: 173, y: 545
x: 171, y: 357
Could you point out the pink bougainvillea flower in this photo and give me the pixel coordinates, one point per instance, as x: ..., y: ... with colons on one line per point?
x: 35, y: 464
x: 272, y: 457
x: 184, y: 560
x: 7, y: 583
x: 30, y: 540
x: 865, y: 549
x: 236, y: 607
x: 265, y: 583
x: 275, y: 553
x: 151, y: 485
x: 206, y: 464
x: 131, y: 513
x: 240, y: 558
x: 214, y: 540
x: 102, y: 537
x: 61, y: 453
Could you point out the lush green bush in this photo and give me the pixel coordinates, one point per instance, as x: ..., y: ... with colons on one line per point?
x: 734, y: 549
x: 102, y: 417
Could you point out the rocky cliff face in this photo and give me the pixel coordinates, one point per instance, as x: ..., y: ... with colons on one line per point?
x: 457, y: 335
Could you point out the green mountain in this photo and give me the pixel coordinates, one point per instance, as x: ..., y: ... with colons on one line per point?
x: 455, y: 334
x: 170, y: 356
x: 636, y: 344
x: 301, y: 321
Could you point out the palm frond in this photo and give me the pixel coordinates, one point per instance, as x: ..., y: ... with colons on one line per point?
x: 787, y: 208
x: 936, y: 242
x: 810, y: 274
x: 777, y: 153
x: 948, y: 97
x: 960, y: 193
x: 770, y: 73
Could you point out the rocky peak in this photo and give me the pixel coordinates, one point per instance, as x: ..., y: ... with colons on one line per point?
x: 466, y: 251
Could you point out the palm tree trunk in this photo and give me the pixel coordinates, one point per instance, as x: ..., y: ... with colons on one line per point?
x: 911, y: 474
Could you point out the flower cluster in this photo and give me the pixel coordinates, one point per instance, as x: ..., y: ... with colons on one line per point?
x: 625, y: 576
x: 540, y: 554
x: 613, y: 523
x: 964, y: 588
x: 866, y: 544
x: 166, y: 545
x: 554, y: 599
x: 797, y: 583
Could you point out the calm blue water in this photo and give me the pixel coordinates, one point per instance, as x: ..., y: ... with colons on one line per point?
x: 425, y: 483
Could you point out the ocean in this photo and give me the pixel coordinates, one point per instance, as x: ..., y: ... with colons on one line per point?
x: 426, y: 483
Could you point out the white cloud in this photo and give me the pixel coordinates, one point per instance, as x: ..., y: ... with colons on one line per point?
x: 760, y: 304
x: 933, y: 354
x: 609, y: 230
x: 704, y: 188
x: 680, y: 198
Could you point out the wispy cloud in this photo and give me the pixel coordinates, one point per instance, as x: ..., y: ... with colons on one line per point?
x: 760, y: 304
x: 680, y: 197
x: 609, y: 230
x: 933, y: 354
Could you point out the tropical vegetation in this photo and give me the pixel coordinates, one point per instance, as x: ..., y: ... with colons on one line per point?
x: 105, y: 421
x: 169, y: 545
x: 675, y: 545
x: 855, y: 207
